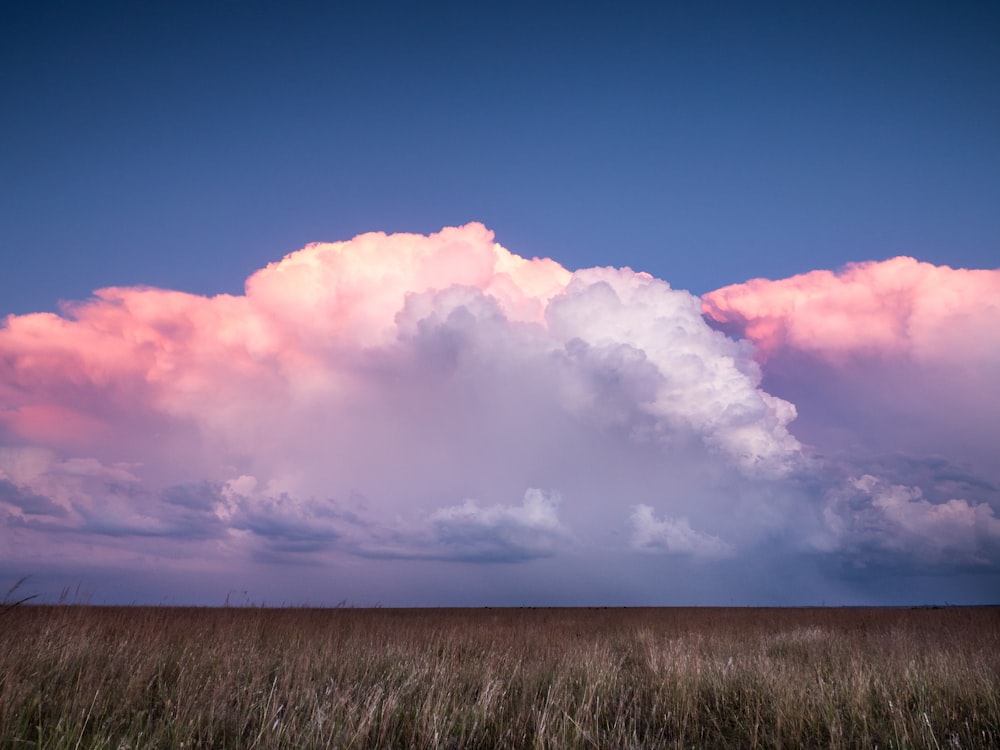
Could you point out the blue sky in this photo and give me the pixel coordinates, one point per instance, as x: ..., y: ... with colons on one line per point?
x: 428, y: 418
x: 185, y: 145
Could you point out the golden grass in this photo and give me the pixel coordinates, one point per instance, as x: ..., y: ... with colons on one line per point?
x: 102, y: 677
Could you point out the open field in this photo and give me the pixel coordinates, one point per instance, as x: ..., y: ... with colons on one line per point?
x: 81, y: 676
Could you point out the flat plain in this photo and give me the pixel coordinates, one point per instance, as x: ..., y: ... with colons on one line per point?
x: 137, y: 677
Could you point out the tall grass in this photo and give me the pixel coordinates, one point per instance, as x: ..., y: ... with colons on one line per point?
x: 96, y: 677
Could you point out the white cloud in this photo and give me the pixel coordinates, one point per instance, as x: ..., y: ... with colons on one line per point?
x: 632, y: 338
x: 340, y: 412
x: 531, y: 529
x: 475, y: 533
x: 673, y: 536
x: 873, y: 520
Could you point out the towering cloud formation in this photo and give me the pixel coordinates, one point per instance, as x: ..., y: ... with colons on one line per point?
x: 896, y: 351
x: 894, y: 367
x: 439, y: 399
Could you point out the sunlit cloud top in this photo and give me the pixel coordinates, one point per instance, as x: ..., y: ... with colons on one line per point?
x: 416, y: 415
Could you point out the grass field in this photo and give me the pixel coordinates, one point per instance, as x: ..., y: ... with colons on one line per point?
x: 83, y: 676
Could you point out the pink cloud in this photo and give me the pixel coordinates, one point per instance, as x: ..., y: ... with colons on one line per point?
x: 403, y: 396
x: 393, y: 392
x: 894, y: 308
x: 352, y: 291
x: 894, y: 369
x: 140, y: 350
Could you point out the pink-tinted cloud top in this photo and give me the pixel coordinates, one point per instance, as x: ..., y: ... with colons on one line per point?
x: 372, y: 407
x: 894, y: 368
x: 898, y: 307
x: 134, y: 350
x: 353, y: 290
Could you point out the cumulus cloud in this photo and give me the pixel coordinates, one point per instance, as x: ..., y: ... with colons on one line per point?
x: 278, y: 523
x: 87, y: 499
x: 673, y: 536
x: 870, y: 519
x: 898, y: 307
x: 892, y: 365
x: 471, y: 532
x: 390, y: 398
x: 631, y: 331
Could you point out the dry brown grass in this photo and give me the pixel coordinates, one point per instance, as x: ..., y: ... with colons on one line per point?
x: 81, y: 676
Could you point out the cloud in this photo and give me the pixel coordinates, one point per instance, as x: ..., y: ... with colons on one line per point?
x: 646, y: 361
x: 892, y: 365
x: 25, y: 503
x: 86, y: 499
x: 265, y: 519
x: 895, y: 308
x: 472, y: 533
x: 673, y: 536
x: 343, y: 413
x: 870, y: 519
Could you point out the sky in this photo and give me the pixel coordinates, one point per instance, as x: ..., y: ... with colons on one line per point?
x: 500, y: 304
